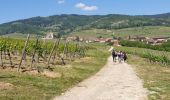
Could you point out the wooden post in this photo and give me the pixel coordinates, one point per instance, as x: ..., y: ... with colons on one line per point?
x: 66, y: 51
x: 33, y: 56
x: 10, y: 58
x: 23, y: 52
x: 75, y: 50
x: 5, y: 53
x: 2, y: 60
x: 52, y: 52
x: 62, y: 57
x: 55, y: 53
x: 45, y: 51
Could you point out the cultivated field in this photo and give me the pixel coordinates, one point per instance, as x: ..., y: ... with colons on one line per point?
x: 93, y: 33
x: 45, y: 80
x: 147, y: 31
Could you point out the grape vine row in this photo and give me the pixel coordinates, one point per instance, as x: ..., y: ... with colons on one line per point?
x: 38, y: 52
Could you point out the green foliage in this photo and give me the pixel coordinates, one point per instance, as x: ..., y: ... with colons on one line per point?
x: 64, y: 24
x: 134, y: 44
x: 163, y: 47
x: 17, y: 45
x: 40, y: 87
x: 151, y: 55
x: 155, y: 77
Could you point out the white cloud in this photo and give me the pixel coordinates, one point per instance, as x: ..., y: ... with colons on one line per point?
x: 85, y: 7
x: 61, y: 1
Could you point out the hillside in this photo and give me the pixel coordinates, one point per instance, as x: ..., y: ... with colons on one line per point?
x: 64, y: 24
x: 59, y: 23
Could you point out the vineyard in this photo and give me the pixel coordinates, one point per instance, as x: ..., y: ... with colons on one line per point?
x: 37, y: 54
x: 163, y: 47
x: 153, y: 56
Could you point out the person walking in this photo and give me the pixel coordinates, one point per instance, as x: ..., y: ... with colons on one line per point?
x: 122, y: 56
x: 125, y: 56
x: 113, y: 55
x: 119, y: 56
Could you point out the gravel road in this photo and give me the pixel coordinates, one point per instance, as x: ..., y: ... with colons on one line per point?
x: 115, y: 81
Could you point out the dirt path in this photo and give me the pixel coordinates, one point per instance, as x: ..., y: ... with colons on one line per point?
x: 113, y: 82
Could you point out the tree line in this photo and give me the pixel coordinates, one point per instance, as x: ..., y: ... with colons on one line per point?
x: 64, y: 24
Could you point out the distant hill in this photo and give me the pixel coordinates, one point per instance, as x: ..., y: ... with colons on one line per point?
x: 165, y: 15
x: 65, y: 24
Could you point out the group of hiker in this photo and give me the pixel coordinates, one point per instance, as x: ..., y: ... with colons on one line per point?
x: 119, y: 56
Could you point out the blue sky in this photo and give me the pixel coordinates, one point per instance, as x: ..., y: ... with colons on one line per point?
x: 11, y: 10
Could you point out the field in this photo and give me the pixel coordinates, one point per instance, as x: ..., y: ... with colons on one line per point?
x: 155, y: 75
x: 42, y: 83
x: 93, y: 33
x: 151, y: 65
x: 147, y: 31
x: 18, y: 35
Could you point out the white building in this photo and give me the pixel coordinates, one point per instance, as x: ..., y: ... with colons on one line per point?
x: 49, y: 35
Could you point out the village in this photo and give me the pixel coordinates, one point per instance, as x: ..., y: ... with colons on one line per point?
x: 114, y: 41
x: 149, y: 40
x: 50, y: 35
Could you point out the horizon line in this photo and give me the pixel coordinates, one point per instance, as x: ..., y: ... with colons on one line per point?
x: 87, y: 15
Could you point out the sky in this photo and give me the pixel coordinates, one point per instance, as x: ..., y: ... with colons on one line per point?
x: 11, y: 10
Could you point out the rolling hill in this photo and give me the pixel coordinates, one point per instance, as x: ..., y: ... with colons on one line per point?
x: 65, y: 24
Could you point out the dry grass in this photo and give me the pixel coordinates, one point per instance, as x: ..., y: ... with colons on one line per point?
x: 51, y: 74
x: 156, y: 77
x: 6, y: 86
x: 31, y: 85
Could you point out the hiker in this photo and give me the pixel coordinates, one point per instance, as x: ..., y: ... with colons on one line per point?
x: 125, y: 56
x: 122, y: 56
x: 119, y: 56
x: 113, y: 55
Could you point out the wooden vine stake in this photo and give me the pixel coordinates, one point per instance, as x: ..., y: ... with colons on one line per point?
x: 55, y: 44
x: 5, y: 53
x: 66, y: 51
x: 45, y: 52
x: 23, y: 52
x: 55, y: 52
x: 33, y: 56
x: 62, y: 57
x: 76, y: 52
x: 2, y: 64
x: 10, y: 58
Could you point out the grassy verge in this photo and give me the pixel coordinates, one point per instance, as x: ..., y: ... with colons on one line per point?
x: 153, y: 56
x: 139, y: 51
x: 39, y: 87
x: 156, y: 76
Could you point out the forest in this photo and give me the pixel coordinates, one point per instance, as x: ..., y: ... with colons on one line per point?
x: 65, y: 24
